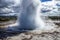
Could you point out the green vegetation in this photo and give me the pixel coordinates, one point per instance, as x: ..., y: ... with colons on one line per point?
x: 7, y: 18
x: 54, y: 17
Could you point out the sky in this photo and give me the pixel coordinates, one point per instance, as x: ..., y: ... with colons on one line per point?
x: 45, y: 0
x: 53, y: 12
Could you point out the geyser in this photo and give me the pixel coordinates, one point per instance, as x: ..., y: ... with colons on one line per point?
x: 27, y: 13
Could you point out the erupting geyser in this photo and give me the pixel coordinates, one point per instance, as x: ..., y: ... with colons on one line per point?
x: 27, y: 13
x: 30, y: 18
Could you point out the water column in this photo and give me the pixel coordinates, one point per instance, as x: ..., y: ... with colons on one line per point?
x: 28, y: 15
x: 31, y: 16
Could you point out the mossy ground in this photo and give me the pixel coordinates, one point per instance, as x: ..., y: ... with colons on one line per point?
x: 7, y: 18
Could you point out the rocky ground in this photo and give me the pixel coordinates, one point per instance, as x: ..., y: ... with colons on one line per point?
x: 37, y: 35
x: 30, y: 36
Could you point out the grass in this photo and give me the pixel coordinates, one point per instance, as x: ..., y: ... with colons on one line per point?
x: 7, y: 18
x: 54, y: 17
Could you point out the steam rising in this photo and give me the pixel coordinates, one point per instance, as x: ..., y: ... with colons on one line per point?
x: 28, y: 12
x: 31, y: 16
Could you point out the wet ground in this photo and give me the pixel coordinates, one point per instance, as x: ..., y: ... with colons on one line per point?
x: 33, y: 34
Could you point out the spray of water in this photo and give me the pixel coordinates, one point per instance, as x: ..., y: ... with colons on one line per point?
x: 38, y: 20
x: 40, y: 24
